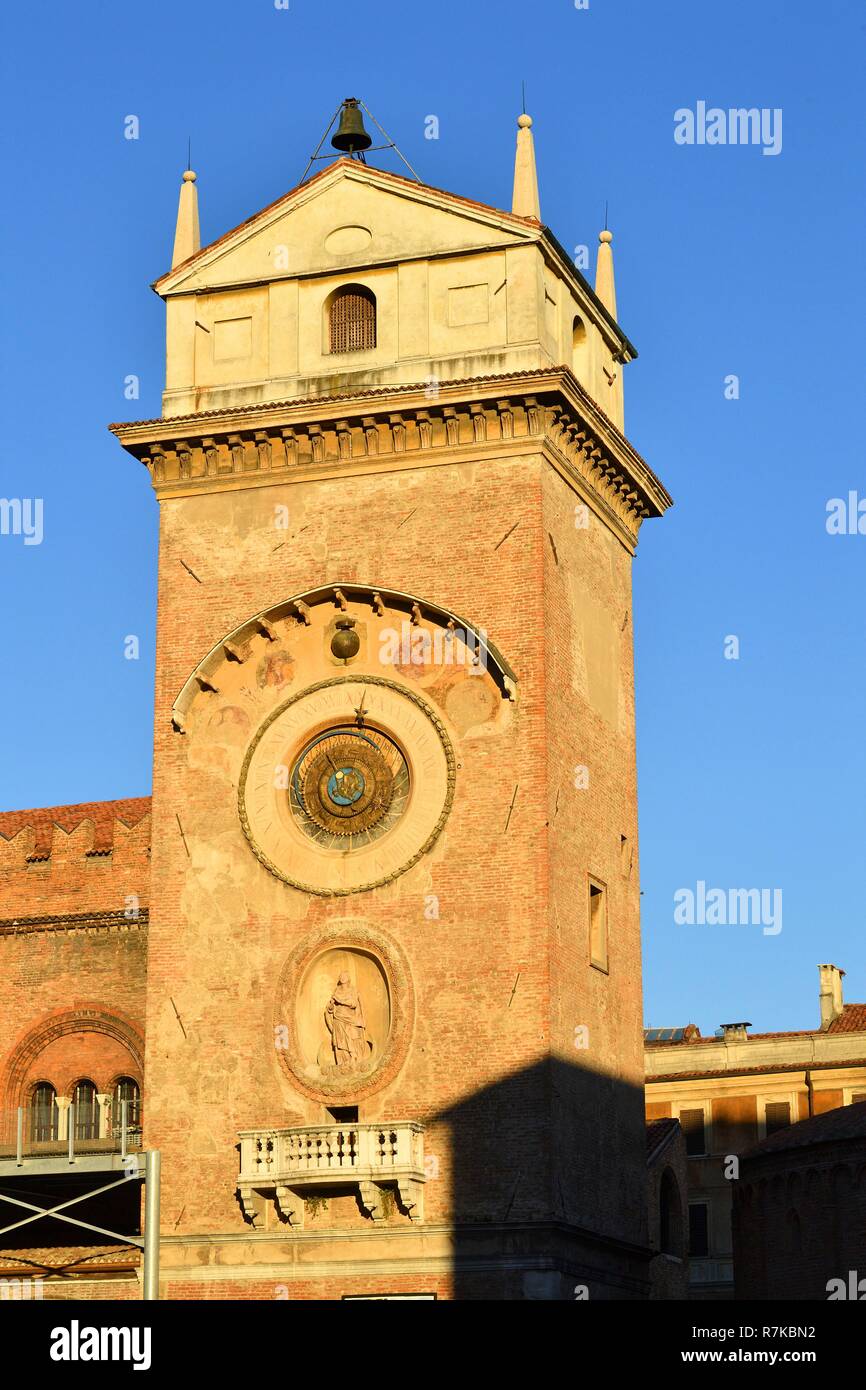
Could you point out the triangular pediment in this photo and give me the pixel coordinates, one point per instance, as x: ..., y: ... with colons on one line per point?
x: 349, y: 215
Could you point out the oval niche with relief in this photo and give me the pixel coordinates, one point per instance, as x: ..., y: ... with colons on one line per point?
x: 343, y: 241
x: 343, y: 1015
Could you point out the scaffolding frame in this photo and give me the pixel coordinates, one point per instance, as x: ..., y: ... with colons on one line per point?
x: 134, y: 1169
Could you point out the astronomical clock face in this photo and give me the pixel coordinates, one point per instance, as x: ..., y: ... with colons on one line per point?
x: 346, y: 785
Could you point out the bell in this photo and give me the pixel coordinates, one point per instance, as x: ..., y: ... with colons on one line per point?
x: 350, y: 135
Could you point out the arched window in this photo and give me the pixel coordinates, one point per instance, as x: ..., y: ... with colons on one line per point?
x: 125, y: 1089
x: 579, y: 350
x: 44, y: 1114
x: 86, y: 1111
x: 670, y: 1215
x: 352, y: 320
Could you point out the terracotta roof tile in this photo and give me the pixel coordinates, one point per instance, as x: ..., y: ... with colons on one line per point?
x: 66, y: 1259
x: 698, y: 1074
x: 851, y: 1020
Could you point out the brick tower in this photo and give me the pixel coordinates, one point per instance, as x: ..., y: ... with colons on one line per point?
x: 393, y: 997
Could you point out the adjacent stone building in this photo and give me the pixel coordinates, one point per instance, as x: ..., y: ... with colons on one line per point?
x: 732, y: 1091
x: 392, y: 991
x: 799, y: 1211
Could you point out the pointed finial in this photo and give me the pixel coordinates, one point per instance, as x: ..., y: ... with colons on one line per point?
x: 187, y: 238
x: 189, y: 152
x: 604, y: 284
x: 524, y: 201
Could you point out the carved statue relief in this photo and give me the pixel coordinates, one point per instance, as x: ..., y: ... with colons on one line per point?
x: 343, y: 1014
x: 344, y: 1020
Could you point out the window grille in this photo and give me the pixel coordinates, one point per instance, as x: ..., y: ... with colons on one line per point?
x: 127, y: 1090
x: 86, y: 1111
x: 352, y: 320
x: 43, y: 1114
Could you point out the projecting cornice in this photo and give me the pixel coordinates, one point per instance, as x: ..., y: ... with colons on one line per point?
x: 399, y: 427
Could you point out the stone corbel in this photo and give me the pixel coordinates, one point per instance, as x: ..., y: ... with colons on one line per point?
x: 533, y: 415
x: 290, y: 446
x: 452, y: 427
x: 410, y: 1193
x: 290, y: 1207
x: 236, y: 448
x: 211, y: 457
x: 371, y: 1200
x: 398, y: 433
x: 184, y: 457
x: 157, y: 463
x: 425, y: 428
x: 263, y: 450
x: 371, y: 434
x: 344, y: 439
x: 251, y: 1203
x: 317, y: 443
x: 479, y: 423
x: 506, y: 419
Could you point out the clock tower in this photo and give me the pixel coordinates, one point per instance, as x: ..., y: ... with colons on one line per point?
x: 394, y: 1040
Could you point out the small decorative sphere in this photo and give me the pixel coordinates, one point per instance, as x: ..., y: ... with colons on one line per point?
x: 345, y: 642
x: 188, y: 176
x: 605, y: 235
x: 524, y: 121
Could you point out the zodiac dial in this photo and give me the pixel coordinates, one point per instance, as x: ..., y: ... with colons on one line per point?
x: 346, y: 785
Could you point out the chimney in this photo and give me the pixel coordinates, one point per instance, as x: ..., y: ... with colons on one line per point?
x: 830, y: 994
x: 735, y: 1032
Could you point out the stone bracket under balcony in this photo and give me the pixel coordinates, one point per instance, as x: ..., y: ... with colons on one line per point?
x: 289, y: 1165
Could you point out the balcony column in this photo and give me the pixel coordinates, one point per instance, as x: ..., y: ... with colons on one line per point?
x: 63, y: 1103
x: 103, y: 1100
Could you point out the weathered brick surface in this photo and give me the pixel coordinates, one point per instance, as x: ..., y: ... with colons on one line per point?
x: 512, y: 1110
x: 72, y: 983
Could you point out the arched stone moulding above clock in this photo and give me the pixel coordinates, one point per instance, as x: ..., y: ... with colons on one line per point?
x: 405, y: 611
x: 343, y: 1012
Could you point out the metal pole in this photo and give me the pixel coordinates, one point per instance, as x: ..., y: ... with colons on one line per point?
x: 19, y: 1154
x: 151, y: 1224
x: 123, y: 1105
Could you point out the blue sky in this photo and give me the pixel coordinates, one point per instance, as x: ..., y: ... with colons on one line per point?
x: 728, y: 262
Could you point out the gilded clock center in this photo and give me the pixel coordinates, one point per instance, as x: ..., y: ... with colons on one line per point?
x: 348, y: 786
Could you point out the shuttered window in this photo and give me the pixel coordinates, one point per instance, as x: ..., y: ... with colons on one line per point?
x: 352, y: 321
x: 777, y: 1116
x: 694, y: 1127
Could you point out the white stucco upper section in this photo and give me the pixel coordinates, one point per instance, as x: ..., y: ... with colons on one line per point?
x: 461, y: 289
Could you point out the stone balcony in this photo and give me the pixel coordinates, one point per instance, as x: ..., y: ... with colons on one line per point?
x: 288, y: 1165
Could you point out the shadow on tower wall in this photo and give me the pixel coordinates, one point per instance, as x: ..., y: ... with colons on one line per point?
x: 549, y: 1193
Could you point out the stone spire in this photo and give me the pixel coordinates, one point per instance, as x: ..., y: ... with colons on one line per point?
x: 187, y: 239
x: 524, y: 201
x: 604, y: 286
